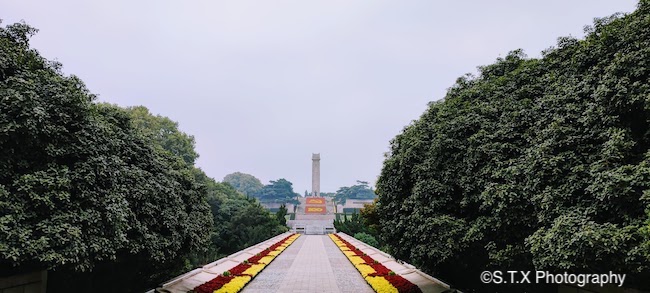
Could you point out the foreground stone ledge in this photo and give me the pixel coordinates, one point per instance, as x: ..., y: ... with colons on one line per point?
x: 426, y: 283
x: 196, y: 277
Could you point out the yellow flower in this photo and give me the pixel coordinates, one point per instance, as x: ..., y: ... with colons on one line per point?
x: 381, y: 285
x: 365, y: 269
x: 235, y: 285
x: 348, y: 253
x: 238, y: 282
x: 356, y: 260
x: 254, y: 270
x: 266, y: 260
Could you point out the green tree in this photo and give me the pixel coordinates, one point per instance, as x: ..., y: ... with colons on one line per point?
x: 227, y: 204
x: 82, y: 192
x: 280, y: 215
x: 244, y: 183
x: 371, y: 218
x: 280, y: 190
x: 229, y: 208
x: 359, y: 191
x: 165, y: 133
x: 350, y: 226
x: 366, y: 238
x: 534, y: 164
x: 253, y: 224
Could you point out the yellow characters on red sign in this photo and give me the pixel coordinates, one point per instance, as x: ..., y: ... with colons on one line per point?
x: 315, y: 210
x: 315, y: 200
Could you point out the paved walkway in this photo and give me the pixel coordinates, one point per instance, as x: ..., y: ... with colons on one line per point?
x: 312, y: 263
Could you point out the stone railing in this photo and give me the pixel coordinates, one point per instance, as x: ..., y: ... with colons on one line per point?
x: 196, y: 277
x: 34, y: 282
x: 426, y: 283
x: 313, y: 229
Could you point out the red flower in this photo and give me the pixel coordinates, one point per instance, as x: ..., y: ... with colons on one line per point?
x: 255, y: 259
x: 369, y: 260
x: 402, y: 285
x: 214, y: 284
x: 240, y: 268
x: 380, y: 270
x: 218, y: 282
x: 265, y: 252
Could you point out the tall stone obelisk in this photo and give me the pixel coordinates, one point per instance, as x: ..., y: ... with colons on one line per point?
x: 315, y: 175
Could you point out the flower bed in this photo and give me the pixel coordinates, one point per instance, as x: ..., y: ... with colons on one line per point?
x: 236, y: 278
x: 380, y: 278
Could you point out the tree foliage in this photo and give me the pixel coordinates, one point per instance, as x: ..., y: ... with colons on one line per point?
x: 239, y: 221
x: 359, y: 191
x: 280, y: 215
x: 105, y: 196
x: 534, y: 164
x: 280, y: 190
x: 81, y: 189
x: 164, y: 133
x: 350, y: 226
x: 244, y: 183
x: 371, y: 218
x: 366, y: 238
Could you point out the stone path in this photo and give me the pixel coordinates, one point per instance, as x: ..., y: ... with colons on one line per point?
x: 312, y: 263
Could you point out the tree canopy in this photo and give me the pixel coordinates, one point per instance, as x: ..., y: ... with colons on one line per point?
x: 244, y: 183
x: 164, y: 133
x: 534, y: 164
x: 105, y: 196
x: 280, y: 190
x: 239, y: 222
x: 359, y: 191
x: 81, y: 189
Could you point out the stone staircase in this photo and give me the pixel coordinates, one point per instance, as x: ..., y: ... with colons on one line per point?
x: 313, y: 223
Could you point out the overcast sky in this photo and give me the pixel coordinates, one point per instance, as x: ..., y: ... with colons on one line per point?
x: 264, y: 84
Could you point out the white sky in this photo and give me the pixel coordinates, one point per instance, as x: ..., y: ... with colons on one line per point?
x: 264, y: 84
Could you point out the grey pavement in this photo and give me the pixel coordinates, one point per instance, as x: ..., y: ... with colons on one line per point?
x: 312, y: 263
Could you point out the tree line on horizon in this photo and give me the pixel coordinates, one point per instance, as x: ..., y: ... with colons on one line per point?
x: 281, y: 190
x: 358, y: 224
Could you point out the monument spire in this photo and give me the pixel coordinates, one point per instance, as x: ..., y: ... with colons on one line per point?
x: 315, y: 175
